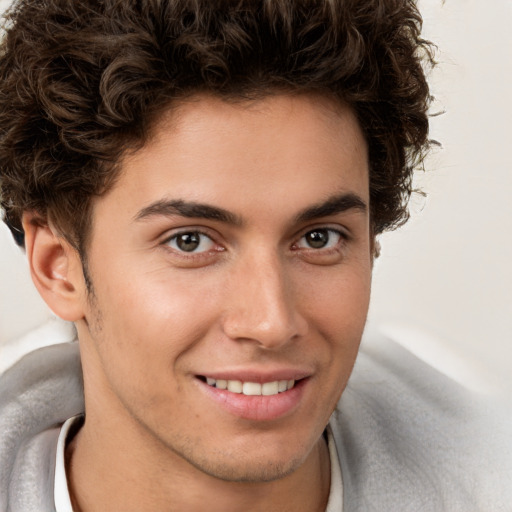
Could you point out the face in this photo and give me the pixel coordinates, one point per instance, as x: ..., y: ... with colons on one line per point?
x: 231, y: 268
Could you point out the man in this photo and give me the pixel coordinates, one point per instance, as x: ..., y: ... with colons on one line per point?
x: 199, y: 187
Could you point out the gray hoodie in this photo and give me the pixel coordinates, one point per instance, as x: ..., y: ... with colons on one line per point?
x: 407, y: 437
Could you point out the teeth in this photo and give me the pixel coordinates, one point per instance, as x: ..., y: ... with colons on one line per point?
x: 221, y: 384
x: 270, y: 388
x: 252, y: 388
x: 235, y: 386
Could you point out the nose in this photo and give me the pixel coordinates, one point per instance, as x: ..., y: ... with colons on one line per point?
x: 262, y: 305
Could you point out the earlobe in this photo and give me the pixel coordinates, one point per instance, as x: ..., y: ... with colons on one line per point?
x: 376, y: 248
x: 55, y: 268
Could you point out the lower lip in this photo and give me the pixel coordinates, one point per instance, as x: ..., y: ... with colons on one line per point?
x: 259, y: 407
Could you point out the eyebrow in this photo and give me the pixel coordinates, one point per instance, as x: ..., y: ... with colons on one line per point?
x: 189, y: 209
x: 333, y: 206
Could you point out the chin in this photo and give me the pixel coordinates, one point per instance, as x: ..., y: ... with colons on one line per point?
x: 257, y: 463
x: 251, y: 471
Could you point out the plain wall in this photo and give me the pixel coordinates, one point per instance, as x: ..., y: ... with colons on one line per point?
x: 449, y: 272
x: 443, y: 282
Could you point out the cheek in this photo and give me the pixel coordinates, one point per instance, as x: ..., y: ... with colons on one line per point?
x: 337, y: 301
x: 148, y: 322
x: 337, y: 313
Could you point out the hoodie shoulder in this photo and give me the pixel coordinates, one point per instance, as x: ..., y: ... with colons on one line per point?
x: 410, y: 438
x: 37, y: 395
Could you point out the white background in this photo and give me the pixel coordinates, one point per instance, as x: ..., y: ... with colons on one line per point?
x: 449, y: 272
x: 443, y: 283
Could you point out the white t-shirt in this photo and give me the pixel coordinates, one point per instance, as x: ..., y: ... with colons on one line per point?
x: 63, y: 501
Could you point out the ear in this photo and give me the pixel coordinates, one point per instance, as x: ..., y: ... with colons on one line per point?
x: 376, y: 248
x: 55, y: 267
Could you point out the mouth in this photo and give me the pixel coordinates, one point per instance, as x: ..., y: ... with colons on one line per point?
x: 256, y: 395
x: 250, y: 388
x: 255, y: 398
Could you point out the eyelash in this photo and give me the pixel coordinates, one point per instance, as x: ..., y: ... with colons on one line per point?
x: 192, y: 254
x: 342, y: 237
x: 168, y: 242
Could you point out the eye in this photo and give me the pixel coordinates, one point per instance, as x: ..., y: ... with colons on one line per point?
x: 191, y: 242
x: 322, y: 238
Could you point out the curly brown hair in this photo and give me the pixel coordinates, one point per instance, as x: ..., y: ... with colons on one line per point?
x: 83, y: 81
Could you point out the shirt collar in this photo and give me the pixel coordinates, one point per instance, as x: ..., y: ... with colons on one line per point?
x: 70, y: 427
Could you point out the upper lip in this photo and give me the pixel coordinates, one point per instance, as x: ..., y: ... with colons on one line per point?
x: 256, y: 375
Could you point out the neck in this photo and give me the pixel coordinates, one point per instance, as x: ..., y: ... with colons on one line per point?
x: 103, y: 474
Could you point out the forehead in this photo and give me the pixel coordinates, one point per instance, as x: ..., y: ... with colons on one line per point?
x: 281, y: 150
x: 273, y: 127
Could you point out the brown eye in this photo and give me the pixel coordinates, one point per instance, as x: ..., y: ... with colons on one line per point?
x: 191, y: 241
x: 317, y: 239
x: 320, y: 239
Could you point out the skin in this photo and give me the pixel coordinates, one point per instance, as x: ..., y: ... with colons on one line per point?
x: 259, y: 294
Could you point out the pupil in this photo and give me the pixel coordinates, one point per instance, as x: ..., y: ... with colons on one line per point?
x: 317, y: 239
x: 188, y: 242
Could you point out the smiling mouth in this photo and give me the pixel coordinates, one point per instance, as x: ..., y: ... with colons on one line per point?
x: 250, y: 388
